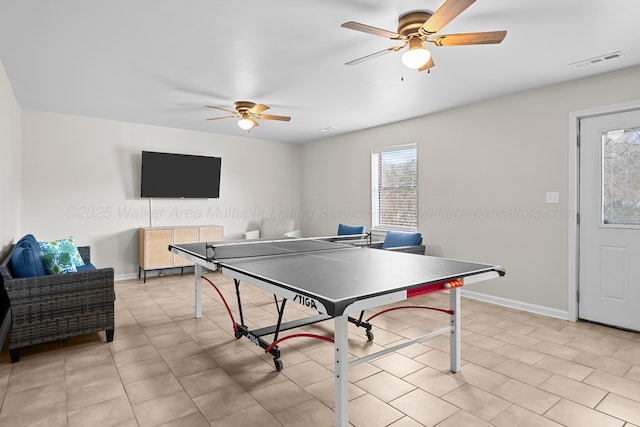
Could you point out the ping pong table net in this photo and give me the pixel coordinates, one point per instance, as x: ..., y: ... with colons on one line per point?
x: 253, y: 249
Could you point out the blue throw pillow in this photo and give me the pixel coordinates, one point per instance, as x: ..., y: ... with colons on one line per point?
x: 60, y: 256
x: 345, y: 230
x: 30, y: 241
x: 395, y: 239
x: 26, y: 262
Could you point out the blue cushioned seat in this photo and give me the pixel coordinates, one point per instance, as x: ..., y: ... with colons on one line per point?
x: 395, y: 239
x: 346, y: 230
x: 86, y: 267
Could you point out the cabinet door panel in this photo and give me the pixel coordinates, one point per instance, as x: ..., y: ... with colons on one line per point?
x: 211, y: 234
x: 184, y: 235
x: 157, y: 252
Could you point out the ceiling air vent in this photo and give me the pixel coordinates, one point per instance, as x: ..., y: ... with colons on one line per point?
x: 598, y: 59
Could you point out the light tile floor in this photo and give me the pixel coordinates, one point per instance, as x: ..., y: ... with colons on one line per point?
x: 167, y: 368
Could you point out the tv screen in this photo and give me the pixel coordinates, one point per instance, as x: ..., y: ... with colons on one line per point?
x: 168, y: 175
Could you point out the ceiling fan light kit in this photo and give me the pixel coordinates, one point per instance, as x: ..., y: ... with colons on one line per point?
x: 418, y: 27
x: 417, y: 55
x: 245, y: 123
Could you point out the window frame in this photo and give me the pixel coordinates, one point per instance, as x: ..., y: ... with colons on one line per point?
x: 375, y: 188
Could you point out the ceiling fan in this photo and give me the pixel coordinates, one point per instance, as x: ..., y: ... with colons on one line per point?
x: 248, y: 112
x: 418, y: 27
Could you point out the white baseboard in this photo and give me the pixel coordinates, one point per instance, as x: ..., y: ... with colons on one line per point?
x: 518, y: 305
x: 154, y: 273
x: 126, y: 276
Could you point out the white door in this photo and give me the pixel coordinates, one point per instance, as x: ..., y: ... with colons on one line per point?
x: 609, y: 230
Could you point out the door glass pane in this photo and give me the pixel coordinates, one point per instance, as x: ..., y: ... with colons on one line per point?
x: 621, y: 177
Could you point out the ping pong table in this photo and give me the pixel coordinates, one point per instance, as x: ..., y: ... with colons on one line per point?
x: 335, y: 279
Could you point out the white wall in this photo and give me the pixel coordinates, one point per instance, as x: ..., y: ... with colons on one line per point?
x: 9, y: 164
x: 81, y: 177
x: 483, y: 171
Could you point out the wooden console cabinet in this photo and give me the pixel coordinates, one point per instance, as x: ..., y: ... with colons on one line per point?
x: 153, y: 243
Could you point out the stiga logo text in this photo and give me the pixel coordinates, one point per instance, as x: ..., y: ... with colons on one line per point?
x: 306, y: 301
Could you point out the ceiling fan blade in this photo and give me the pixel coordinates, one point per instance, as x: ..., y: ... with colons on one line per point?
x: 446, y: 13
x: 259, y: 108
x: 430, y: 64
x: 223, y: 109
x: 272, y: 117
x: 489, y: 37
x: 352, y: 25
x: 255, y: 122
x: 374, y: 55
x: 224, y: 117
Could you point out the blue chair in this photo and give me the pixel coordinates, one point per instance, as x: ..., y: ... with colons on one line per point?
x: 346, y: 230
x: 396, y: 239
x: 402, y: 241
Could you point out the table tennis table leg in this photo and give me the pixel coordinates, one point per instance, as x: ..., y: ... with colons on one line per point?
x: 341, y: 370
x: 198, y: 290
x: 454, y: 305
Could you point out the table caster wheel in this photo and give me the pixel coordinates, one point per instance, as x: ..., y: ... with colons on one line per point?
x: 279, y: 365
x: 369, y: 335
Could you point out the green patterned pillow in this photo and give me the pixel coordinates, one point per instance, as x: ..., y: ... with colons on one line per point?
x: 60, y: 256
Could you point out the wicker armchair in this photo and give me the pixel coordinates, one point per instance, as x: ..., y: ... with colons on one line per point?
x: 57, y: 306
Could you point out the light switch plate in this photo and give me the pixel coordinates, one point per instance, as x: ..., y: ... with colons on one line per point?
x: 553, y: 197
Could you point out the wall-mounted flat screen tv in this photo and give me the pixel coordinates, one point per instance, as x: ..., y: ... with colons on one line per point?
x: 167, y: 175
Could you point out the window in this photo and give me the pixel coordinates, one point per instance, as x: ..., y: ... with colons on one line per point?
x: 394, y: 188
